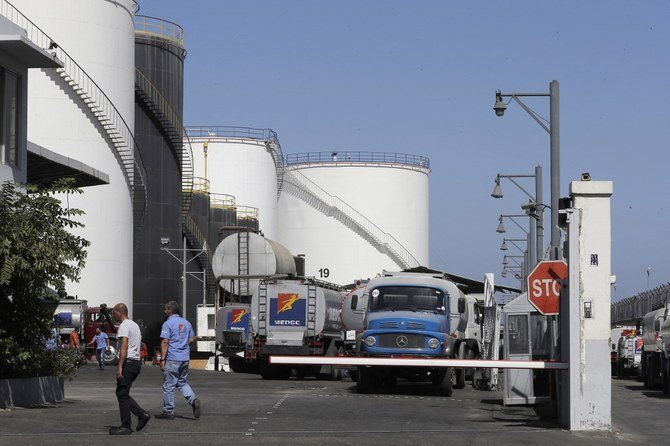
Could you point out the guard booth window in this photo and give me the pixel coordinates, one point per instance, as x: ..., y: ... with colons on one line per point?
x: 9, y: 97
x: 518, y: 334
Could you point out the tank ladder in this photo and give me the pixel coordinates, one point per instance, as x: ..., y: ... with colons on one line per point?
x: 262, y: 308
x: 311, y: 311
x: 243, y: 261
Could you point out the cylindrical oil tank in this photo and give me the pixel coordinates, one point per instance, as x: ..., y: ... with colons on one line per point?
x: 222, y: 213
x: 650, y: 329
x: 99, y: 37
x: 285, y: 313
x: 355, y: 207
x: 242, y: 162
x: 263, y: 257
x: 159, y: 61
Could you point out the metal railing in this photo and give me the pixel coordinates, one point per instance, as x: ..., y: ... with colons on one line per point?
x: 332, y: 205
x: 222, y: 201
x: 632, y: 309
x: 197, y: 239
x: 200, y: 185
x: 169, y: 119
x: 100, y: 105
x: 155, y: 27
x: 247, y: 212
x: 337, y: 156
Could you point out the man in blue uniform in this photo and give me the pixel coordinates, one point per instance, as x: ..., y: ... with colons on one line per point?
x: 176, y: 335
x: 100, y: 341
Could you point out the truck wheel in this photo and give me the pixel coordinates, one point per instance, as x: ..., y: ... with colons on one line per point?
x: 112, y: 354
x: 353, y: 374
x: 364, y: 381
x: 665, y: 376
x: 266, y: 370
x: 460, y: 373
x: 447, y: 385
x: 644, y: 371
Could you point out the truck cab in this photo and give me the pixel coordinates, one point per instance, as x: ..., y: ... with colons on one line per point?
x: 411, y: 315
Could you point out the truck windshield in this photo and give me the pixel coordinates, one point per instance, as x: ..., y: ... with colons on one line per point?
x: 413, y: 298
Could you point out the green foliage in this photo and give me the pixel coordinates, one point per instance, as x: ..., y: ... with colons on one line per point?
x: 36, y: 252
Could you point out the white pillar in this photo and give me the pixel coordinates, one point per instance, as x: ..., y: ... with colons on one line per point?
x: 585, y: 314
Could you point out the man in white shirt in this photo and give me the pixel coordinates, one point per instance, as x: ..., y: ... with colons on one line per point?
x: 130, y: 340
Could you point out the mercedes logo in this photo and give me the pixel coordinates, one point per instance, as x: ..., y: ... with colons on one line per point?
x: 401, y: 341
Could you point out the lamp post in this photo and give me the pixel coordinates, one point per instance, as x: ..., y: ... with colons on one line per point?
x: 165, y: 241
x: 535, y: 211
x: 552, y: 127
x: 530, y: 236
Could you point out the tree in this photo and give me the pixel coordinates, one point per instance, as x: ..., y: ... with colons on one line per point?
x: 37, y: 251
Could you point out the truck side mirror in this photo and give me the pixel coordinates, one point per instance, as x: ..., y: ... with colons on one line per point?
x: 354, y: 301
x: 461, y: 305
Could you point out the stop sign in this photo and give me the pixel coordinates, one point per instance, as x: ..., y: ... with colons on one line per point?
x: 544, y: 285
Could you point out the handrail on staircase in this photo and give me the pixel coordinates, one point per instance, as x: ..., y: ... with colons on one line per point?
x: 180, y: 140
x: 383, y: 239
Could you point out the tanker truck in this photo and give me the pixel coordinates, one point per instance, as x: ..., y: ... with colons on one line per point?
x: 232, y: 336
x: 75, y: 315
x: 653, y: 351
x: 296, y: 317
x: 419, y: 315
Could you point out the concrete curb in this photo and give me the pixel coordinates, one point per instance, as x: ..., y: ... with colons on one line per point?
x: 30, y: 392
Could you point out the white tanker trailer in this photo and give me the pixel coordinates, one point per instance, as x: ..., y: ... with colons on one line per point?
x: 296, y: 317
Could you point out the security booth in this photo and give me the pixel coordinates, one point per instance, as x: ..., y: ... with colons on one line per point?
x: 526, y: 337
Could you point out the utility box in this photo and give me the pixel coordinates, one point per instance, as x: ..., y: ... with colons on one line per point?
x: 586, y: 399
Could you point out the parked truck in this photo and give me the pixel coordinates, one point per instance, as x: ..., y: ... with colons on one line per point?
x: 75, y: 315
x: 629, y: 354
x: 418, y: 315
x: 232, y: 336
x: 653, y: 353
x: 296, y: 317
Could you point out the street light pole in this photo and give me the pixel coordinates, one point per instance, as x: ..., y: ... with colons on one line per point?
x: 554, y: 146
x: 165, y: 241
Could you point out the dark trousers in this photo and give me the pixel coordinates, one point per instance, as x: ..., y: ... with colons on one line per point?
x: 131, y: 370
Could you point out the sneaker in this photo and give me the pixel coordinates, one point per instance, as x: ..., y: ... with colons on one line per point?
x: 142, y: 421
x: 196, y: 408
x: 164, y: 416
x: 120, y: 431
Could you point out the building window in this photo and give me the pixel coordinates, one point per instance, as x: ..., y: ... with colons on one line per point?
x: 10, y: 116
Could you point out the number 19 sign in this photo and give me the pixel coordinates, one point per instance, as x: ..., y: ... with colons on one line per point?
x: 544, y: 285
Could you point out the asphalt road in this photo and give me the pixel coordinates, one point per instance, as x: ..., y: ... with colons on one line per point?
x: 244, y: 409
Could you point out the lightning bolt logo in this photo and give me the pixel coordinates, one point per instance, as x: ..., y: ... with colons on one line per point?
x: 285, y: 302
x: 238, y: 315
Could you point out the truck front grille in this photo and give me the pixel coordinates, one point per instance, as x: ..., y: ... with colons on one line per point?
x: 401, y: 340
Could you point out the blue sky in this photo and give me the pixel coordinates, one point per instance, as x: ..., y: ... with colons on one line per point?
x: 420, y: 77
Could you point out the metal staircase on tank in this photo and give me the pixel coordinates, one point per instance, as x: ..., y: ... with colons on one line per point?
x: 243, y: 261
x: 197, y: 239
x: 311, y: 310
x: 302, y: 187
x: 171, y: 125
x: 104, y: 110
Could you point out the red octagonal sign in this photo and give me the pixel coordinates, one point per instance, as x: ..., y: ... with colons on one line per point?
x: 544, y: 285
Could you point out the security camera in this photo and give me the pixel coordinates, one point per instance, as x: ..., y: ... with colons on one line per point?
x: 586, y: 176
x: 165, y: 241
x: 499, y: 107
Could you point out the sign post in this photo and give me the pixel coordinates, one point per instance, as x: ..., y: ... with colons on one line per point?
x: 544, y: 285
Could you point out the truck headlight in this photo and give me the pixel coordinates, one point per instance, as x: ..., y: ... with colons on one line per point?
x: 433, y: 343
x: 370, y: 341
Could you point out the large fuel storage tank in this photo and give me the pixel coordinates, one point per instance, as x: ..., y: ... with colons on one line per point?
x: 98, y: 38
x: 248, y: 253
x: 355, y: 213
x: 243, y: 162
x: 159, y: 92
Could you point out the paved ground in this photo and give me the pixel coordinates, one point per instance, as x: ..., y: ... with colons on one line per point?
x: 244, y: 409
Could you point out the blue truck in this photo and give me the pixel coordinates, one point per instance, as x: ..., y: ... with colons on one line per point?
x: 415, y: 315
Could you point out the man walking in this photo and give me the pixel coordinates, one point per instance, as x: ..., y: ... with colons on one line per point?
x: 128, y: 369
x: 176, y: 335
x: 100, y: 341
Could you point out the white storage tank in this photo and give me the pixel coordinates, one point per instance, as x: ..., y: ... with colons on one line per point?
x: 99, y: 36
x: 243, y: 162
x: 354, y: 214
